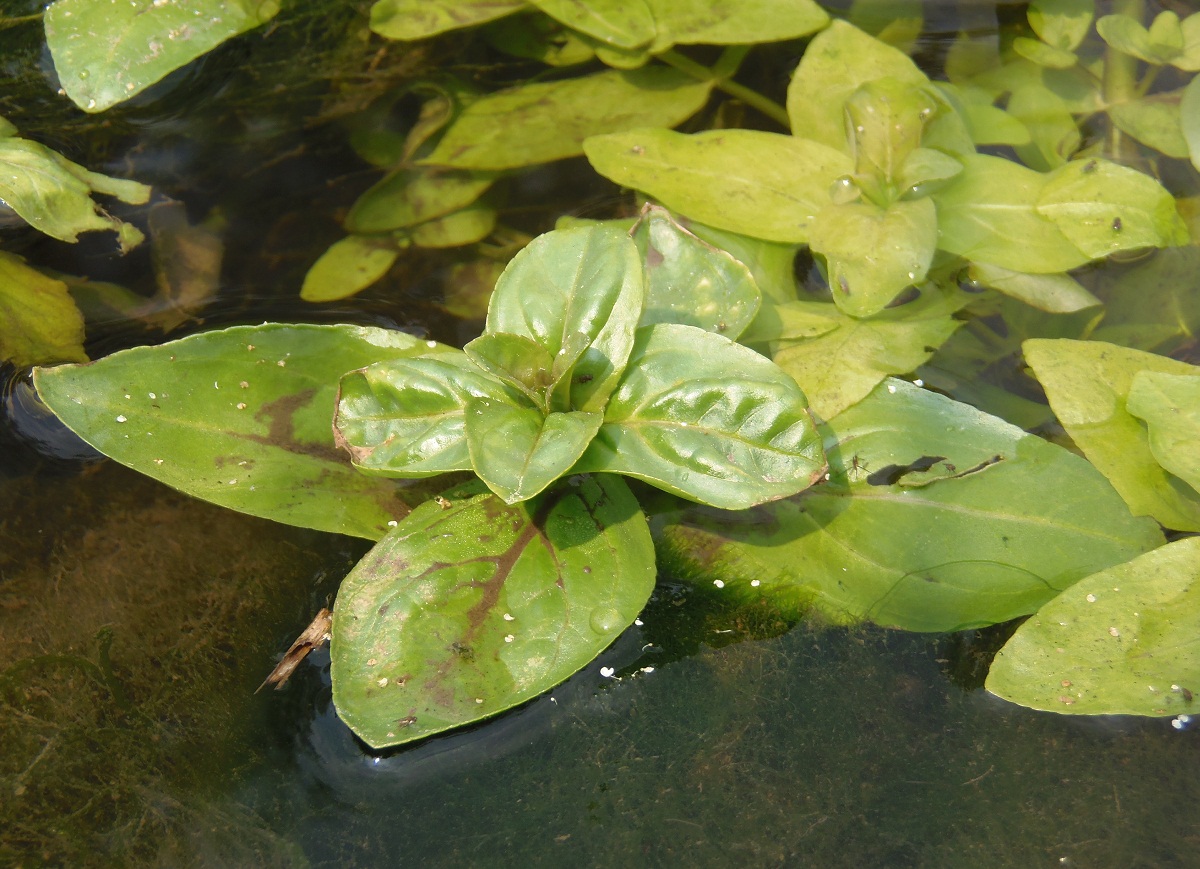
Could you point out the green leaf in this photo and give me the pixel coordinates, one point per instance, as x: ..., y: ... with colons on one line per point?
x: 1104, y: 208
x: 406, y: 417
x: 1152, y: 121
x: 1125, y: 641
x: 1058, y: 294
x: 105, y: 53
x: 1062, y: 23
x: 239, y: 417
x: 579, y: 294
x: 1189, y: 60
x: 1088, y: 384
x: 1043, y: 54
x: 1054, y: 137
x: 349, y: 266
x: 39, y: 323
x: 771, y: 263
x: 923, y: 170
x: 623, y: 23
x: 986, y: 123
x: 1169, y: 404
x: 935, y: 518
x: 839, y: 61
x: 54, y: 195
x: 1189, y: 119
x: 544, y: 121
x: 419, y: 19
x: 990, y: 214
x: 759, y: 184
x: 518, y: 450
x: 1161, y: 44
x: 538, y: 37
x: 873, y: 253
x: 717, y: 22
x: 411, y: 196
x: 887, y: 118
x: 517, y: 360
x: 778, y: 321
x: 471, y: 224
x: 1153, y: 305
x: 679, y: 422
x: 840, y: 367
x: 691, y: 282
x: 468, y: 610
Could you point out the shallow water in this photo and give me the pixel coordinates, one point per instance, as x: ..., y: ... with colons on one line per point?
x: 136, y: 624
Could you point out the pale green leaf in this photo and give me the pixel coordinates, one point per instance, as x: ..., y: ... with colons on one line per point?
x: 986, y: 123
x: 1088, y: 384
x: 105, y: 53
x: 1161, y: 43
x: 936, y: 517
x: 418, y: 19
x: 1054, y: 136
x: 471, y: 224
x: 1062, y: 23
x: 873, y: 253
x: 748, y: 22
x: 39, y: 324
x: 1044, y: 55
x: 1058, y: 294
x: 411, y: 196
x: 1189, y: 119
x: 1154, y: 122
x: 759, y: 184
x: 623, y: 23
x: 544, y: 121
x: 347, y: 267
x: 539, y: 38
x: 1125, y: 641
x: 468, y: 609
x: 239, y: 417
x: 1169, y: 404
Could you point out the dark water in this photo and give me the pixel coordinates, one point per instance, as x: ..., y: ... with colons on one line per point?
x: 135, y: 624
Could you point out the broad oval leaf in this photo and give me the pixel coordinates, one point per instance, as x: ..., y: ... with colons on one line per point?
x: 406, y: 417
x: 839, y: 61
x: 1088, y: 384
x: 579, y: 294
x: 1103, y: 208
x: 420, y: 19
x: 545, y: 121
x: 989, y: 214
x: 471, y: 224
x: 519, y: 450
x: 239, y: 417
x: 411, y: 196
x: 873, y: 253
x: 1170, y: 406
x: 718, y: 22
x: 105, y: 53
x: 1153, y: 121
x: 1125, y: 641
x: 1062, y: 23
x: 623, y: 23
x: 39, y: 323
x: 679, y: 422
x: 936, y: 517
x: 349, y: 266
x: 691, y: 282
x: 466, y: 610
x: 760, y: 184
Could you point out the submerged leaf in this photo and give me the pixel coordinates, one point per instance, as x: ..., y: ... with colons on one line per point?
x: 419, y: 19
x: 544, y: 121
x: 747, y: 22
x: 679, y: 422
x: 1125, y: 641
x: 936, y: 517
x: 39, y: 323
x: 759, y: 184
x: 349, y: 266
x: 1088, y: 384
x: 1169, y: 404
x: 410, y: 196
x: 471, y: 607
x: 239, y: 417
x: 622, y: 23
x: 105, y: 53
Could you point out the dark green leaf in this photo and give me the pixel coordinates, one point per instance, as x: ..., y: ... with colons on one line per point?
x: 467, y: 610
x: 1153, y: 305
x: 539, y: 38
x: 406, y: 417
x: 239, y: 417
x: 1125, y: 641
x: 579, y: 294
x: 39, y: 324
x: 519, y: 450
x: 105, y: 53
x: 936, y: 517
x: 348, y: 266
x: 679, y: 422
x: 691, y: 282
x: 1169, y: 404
x: 759, y: 184
x: 1088, y: 384
x: 419, y: 19
x: 544, y: 121
x: 517, y: 360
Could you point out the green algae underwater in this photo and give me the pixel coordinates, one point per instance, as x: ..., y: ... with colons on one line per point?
x: 719, y: 728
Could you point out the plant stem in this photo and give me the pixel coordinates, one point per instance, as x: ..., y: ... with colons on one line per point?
x: 1120, y: 70
x: 718, y: 76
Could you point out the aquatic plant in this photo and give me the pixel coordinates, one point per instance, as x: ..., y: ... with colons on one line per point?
x: 945, y: 219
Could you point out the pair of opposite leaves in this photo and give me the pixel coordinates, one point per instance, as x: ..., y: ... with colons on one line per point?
x: 566, y: 378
